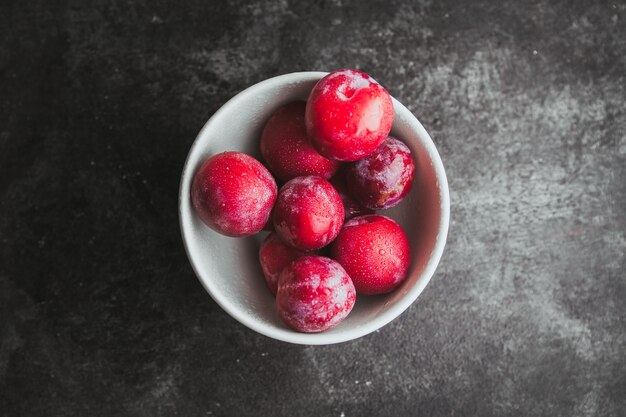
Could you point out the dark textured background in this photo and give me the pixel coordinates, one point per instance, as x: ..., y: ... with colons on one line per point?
x: 101, y: 314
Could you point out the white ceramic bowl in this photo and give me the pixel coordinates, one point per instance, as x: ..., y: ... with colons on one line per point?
x: 229, y: 268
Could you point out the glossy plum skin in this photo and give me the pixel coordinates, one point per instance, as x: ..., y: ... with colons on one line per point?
x: 314, y: 294
x: 382, y: 179
x: 286, y: 148
x: 274, y: 256
x: 233, y: 194
x: 351, y: 207
x: 308, y: 213
x: 348, y: 115
x: 374, y: 251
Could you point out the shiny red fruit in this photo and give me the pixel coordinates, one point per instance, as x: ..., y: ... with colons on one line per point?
x: 374, y: 251
x: 348, y: 115
x: 286, y: 148
x: 314, y: 294
x: 233, y: 194
x: 308, y: 213
x: 274, y: 256
x: 383, y: 178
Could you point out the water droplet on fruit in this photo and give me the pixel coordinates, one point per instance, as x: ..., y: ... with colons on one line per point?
x: 381, y: 252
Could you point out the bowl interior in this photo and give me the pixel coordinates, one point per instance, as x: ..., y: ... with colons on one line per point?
x: 229, y: 268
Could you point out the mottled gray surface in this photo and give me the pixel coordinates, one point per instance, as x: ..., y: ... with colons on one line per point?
x: 101, y: 314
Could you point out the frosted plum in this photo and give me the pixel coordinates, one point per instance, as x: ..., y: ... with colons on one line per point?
x: 286, y: 148
x: 382, y: 179
x: 233, y: 194
x: 374, y: 251
x: 308, y: 213
x: 314, y: 294
x: 348, y: 115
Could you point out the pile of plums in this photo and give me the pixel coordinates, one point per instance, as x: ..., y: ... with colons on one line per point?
x: 336, y: 164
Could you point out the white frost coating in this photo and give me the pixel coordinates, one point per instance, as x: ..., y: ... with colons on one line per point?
x: 357, y: 80
x: 249, y: 218
x: 285, y: 232
x: 293, y: 190
x: 329, y: 77
x: 307, y: 181
x: 334, y: 282
x: 304, y: 187
x: 313, y: 280
x: 266, y: 195
x: 393, y: 167
x: 341, y: 93
x: 247, y: 208
x: 393, y: 173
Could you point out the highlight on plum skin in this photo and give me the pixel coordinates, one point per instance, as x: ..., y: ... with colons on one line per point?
x: 382, y: 179
x: 286, y: 147
x: 314, y: 294
x: 374, y: 251
x: 308, y: 213
x: 348, y: 115
x: 233, y: 194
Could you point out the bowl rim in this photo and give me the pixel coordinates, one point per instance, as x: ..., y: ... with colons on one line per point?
x: 395, y: 310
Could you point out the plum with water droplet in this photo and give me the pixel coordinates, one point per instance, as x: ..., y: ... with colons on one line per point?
x: 314, y: 294
x: 348, y: 115
x: 308, y: 213
x: 383, y: 178
x: 374, y: 251
x: 286, y: 148
x: 233, y: 194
